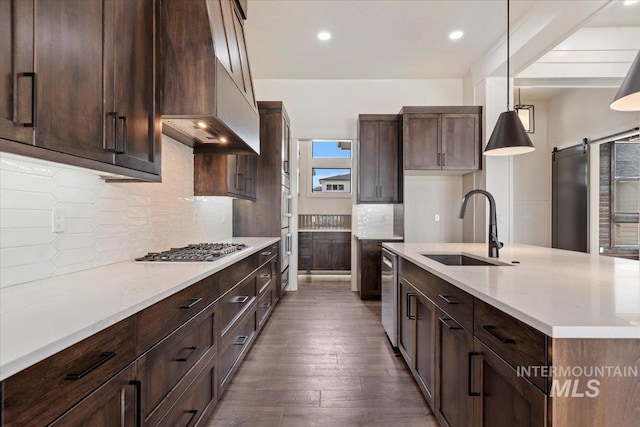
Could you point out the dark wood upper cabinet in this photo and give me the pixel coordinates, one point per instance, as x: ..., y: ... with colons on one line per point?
x: 16, y: 68
x: 442, y: 138
x: 379, y: 171
x: 231, y: 175
x: 81, y: 83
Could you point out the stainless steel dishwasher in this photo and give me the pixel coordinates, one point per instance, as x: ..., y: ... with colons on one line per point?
x: 389, y: 295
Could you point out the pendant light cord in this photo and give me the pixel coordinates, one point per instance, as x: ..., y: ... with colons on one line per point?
x: 508, y: 54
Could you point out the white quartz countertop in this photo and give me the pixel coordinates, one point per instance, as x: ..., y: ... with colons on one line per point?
x: 562, y: 293
x: 377, y: 236
x: 40, y: 318
x: 324, y: 230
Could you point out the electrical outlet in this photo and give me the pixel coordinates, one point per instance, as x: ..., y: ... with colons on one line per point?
x: 59, y: 220
x: 436, y: 217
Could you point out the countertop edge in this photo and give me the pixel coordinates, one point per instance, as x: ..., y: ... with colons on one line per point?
x: 50, y: 348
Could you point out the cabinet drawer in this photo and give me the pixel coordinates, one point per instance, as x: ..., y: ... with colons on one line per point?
x: 162, y: 368
x: 40, y: 393
x: 162, y: 318
x: 267, y: 253
x: 332, y: 235
x: 372, y: 245
x: 235, y: 302
x: 265, y: 305
x: 235, y: 346
x: 231, y: 276
x: 263, y: 278
x: 196, y: 402
x: 517, y: 343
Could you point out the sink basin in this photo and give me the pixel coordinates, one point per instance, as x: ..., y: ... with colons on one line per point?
x: 461, y: 259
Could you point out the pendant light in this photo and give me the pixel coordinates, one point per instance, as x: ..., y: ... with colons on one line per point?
x: 509, y: 137
x: 628, y: 96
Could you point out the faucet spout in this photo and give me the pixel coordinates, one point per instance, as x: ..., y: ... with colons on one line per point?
x: 494, y: 243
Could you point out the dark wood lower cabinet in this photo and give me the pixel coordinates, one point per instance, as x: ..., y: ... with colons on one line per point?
x: 405, y: 321
x: 113, y: 404
x: 505, y: 399
x: 454, y: 405
x: 425, y: 342
x: 324, y: 251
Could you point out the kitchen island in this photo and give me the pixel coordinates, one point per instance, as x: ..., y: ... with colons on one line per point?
x: 546, y: 337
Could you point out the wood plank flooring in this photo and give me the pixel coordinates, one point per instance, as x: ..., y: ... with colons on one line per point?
x: 323, y: 360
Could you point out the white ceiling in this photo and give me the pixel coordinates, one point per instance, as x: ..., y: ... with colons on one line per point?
x: 382, y: 39
x: 372, y: 39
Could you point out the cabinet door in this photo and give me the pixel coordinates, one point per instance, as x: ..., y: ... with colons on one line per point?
x: 245, y: 70
x: 421, y: 141
x: 425, y: 346
x: 133, y: 92
x: 506, y: 399
x: 370, y: 270
x: 228, y: 17
x: 112, y: 405
x: 454, y: 348
x: 368, y: 162
x: 286, y: 149
x: 250, y: 172
x: 16, y: 85
x: 460, y: 141
x: 388, y: 191
x: 341, y: 255
x: 321, y: 254
x: 235, y: 178
x: 69, y: 65
x: 406, y: 320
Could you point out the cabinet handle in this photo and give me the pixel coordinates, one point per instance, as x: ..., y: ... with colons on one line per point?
x: 34, y: 100
x: 286, y: 166
x: 124, y: 137
x: 240, y: 300
x: 104, y: 357
x: 447, y: 299
x: 438, y: 159
x: 409, y: 315
x: 193, y: 302
x: 192, y: 418
x: 470, y: 375
x: 443, y: 159
x: 139, y: 413
x: 114, y: 115
x: 444, y: 322
x: 266, y: 253
x: 191, y: 353
x: 265, y: 276
x: 240, y: 340
x: 492, y: 331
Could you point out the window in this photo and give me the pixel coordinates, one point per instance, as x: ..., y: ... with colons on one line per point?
x: 331, y: 180
x: 624, y: 218
x: 330, y: 149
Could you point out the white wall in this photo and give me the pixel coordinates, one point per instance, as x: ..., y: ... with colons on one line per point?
x: 532, y: 185
x: 105, y: 222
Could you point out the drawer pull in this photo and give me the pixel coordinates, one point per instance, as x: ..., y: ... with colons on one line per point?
x: 191, y: 353
x: 492, y: 331
x: 265, y: 276
x: 444, y: 322
x: 241, y: 340
x: 409, y: 315
x: 192, y: 418
x: 265, y: 253
x: 239, y: 300
x: 265, y: 305
x: 447, y: 299
x: 104, y: 357
x: 470, y: 391
x: 139, y: 414
x: 193, y: 302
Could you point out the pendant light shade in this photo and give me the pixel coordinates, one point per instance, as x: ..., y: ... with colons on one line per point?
x: 509, y: 137
x: 628, y: 96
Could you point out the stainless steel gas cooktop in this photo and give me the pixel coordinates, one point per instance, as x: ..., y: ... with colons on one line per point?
x: 196, y: 252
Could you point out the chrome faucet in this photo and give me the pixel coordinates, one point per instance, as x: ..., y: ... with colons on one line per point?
x: 494, y: 243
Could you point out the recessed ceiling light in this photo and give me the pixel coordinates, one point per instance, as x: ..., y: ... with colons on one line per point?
x: 630, y: 2
x: 324, y: 35
x: 456, y: 35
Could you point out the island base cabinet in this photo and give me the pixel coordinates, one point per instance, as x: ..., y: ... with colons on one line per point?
x: 113, y: 404
x: 405, y: 321
x: 504, y: 399
x: 425, y: 324
x: 454, y: 349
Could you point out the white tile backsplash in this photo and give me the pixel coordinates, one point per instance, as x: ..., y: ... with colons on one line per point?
x: 374, y: 219
x: 106, y: 222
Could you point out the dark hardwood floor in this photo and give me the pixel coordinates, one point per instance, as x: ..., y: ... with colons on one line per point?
x: 323, y: 360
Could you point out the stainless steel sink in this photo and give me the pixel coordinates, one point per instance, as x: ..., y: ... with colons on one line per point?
x: 461, y: 259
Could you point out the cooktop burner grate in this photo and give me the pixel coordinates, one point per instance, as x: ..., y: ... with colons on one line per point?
x: 198, y: 252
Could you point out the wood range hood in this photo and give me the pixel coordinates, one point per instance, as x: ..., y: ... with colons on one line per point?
x: 207, y: 96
